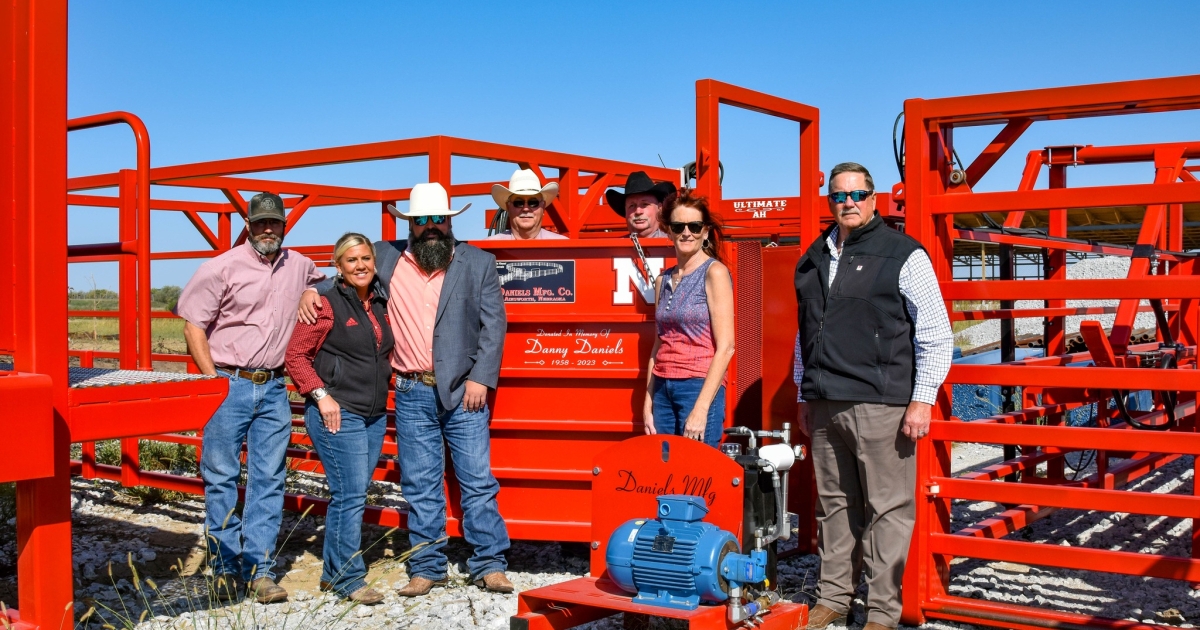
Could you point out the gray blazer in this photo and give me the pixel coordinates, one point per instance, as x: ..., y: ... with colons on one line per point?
x: 469, y: 327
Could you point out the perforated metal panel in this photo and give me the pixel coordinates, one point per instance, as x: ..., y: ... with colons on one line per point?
x: 746, y: 388
x: 78, y: 377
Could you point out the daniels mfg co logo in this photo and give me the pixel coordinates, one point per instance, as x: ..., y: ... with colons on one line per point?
x: 537, y: 280
x: 694, y: 485
x: 759, y: 207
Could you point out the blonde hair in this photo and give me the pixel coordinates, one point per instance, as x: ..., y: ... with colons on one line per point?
x: 348, y: 240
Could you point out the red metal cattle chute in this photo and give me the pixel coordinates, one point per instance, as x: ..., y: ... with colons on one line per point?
x: 552, y: 413
x: 935, y: 193
x: 542, y: 496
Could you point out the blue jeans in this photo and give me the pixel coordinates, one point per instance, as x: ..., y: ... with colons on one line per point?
x: 421, y: 424
x: 349, y: 457
x: 673, y: 401
x: 258, y: 415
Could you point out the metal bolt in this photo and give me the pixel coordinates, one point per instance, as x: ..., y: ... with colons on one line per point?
x: 596, y: 470
x: 737, y: 482
x: 595, y: 544
x: 957, y: 177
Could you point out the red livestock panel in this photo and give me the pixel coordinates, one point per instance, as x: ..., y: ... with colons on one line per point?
x: 1033, y: 427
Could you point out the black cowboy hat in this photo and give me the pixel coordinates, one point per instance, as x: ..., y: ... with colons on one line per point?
x: 638, y: 183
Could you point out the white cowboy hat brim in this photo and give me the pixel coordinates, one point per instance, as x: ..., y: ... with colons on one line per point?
x: 392, y: 210
x: 500, y: 194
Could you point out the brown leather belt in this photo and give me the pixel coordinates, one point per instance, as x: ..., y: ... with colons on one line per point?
x: 258, y: 376
x: 426, y: 378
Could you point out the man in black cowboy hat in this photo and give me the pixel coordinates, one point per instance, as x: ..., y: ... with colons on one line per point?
x: 641, y: 204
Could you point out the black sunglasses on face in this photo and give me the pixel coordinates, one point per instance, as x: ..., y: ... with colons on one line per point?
x: 692, y: 226
x: 533, y: 203
x: 857, y: 195
x: 437, y: 219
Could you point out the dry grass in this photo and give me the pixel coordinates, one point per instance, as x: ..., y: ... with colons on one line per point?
x: 103, y: 334
x: 972, y: 305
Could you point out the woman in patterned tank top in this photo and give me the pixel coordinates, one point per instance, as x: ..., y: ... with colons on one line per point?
x: 694, y: 316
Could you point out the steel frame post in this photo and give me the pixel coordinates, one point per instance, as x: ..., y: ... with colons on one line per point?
x: 1054, y: 329
x: 127, y: 273
x: 1008, y: 351
x: 33, y: 117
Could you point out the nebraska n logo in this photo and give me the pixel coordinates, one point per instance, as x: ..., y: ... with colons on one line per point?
x: 630, y: 277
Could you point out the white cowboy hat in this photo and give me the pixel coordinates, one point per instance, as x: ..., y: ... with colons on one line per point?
x: 427, y: 200
x: 525, y: 183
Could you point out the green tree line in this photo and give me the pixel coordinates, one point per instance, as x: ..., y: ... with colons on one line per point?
x: 162, y: 297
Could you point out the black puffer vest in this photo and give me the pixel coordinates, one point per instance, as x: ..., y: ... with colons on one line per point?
x: 354, y: 369
x: 856, y: 336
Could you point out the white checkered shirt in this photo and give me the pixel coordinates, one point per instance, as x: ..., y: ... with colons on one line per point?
x: 933, y: 340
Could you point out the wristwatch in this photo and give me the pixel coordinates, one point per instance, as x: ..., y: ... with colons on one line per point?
x: 318, y: 393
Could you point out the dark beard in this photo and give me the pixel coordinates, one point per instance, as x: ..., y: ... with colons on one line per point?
x: 432, y: 255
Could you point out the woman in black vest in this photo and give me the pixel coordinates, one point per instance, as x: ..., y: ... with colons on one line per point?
x: 341, y: 365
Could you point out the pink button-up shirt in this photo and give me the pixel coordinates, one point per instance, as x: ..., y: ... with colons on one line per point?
x: 247, y: 305
x: 412, y: 307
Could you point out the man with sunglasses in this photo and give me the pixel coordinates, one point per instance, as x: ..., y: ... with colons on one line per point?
x: 874, y: 346
x: 447, y: 315
x: 524, y: 202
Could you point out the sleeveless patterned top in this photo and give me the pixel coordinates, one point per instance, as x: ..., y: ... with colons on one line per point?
x: 683, y: 322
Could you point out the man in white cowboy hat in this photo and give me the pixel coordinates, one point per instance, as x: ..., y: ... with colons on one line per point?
x: 641, y: 204
x: 524, y: 201
x: 447, y: 316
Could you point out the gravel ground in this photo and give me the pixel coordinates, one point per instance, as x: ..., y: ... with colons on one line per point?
x: 1092, y: 268
x: 163, y: 541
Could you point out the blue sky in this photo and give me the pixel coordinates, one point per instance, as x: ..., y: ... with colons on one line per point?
x: 614, y: 80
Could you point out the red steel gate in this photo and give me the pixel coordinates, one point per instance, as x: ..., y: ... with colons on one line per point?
x: 936, y: 192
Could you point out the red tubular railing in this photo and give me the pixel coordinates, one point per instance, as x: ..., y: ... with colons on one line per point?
x: 139, y: 241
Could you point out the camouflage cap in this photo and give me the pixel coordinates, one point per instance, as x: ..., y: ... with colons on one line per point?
x: 264, y: 206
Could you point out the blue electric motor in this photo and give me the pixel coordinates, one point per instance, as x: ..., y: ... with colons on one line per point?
x: 678, y: 561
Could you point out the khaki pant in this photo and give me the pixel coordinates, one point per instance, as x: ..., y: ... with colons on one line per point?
x: 866, y: 475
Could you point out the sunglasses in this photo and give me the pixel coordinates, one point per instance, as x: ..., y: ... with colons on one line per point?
x: 533, y: 203
x: 437, y: 219
x: 857, y: 195
x: 692, y: 226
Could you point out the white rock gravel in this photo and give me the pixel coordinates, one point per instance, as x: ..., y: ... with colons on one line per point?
x: 1091, y: 268
x: 111, y: 527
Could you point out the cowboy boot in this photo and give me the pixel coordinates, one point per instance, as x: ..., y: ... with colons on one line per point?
x: 264, y: 590
x: 224, y: 588
x: 420, y: 586
x: 822, y: 615
x: 496, y: 582
x: 365, y: 596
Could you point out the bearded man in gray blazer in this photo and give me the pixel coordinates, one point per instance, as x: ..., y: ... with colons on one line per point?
x: 446, y: 312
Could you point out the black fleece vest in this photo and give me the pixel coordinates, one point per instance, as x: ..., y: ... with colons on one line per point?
x: 355, y: 372
x: 856, y: 336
